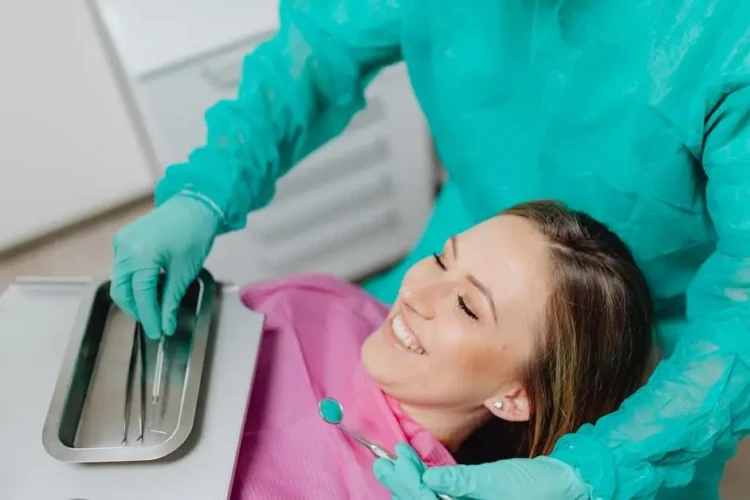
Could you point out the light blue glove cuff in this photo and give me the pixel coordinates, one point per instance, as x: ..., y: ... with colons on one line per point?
x: 171, y: 186
x: 216, y: 193
x: 590, y: 460
x: 221, y: 219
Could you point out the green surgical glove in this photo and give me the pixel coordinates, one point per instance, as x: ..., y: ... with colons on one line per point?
x: 404, y: 477
x: 523, y: 478
x: 175, y: 237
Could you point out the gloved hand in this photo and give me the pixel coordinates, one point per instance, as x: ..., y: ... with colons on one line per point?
x: 175, y: 237
x: 403, y: 478
x: 521, y: 478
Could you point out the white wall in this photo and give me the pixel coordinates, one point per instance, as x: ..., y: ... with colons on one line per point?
x: 68, y: 147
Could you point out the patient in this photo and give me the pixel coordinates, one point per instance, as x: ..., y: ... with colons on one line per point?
x: 519, y: 331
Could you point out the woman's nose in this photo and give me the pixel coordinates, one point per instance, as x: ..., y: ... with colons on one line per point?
x: 423, y: 298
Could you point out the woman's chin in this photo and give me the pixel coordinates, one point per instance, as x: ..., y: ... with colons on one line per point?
x: 387, y: 364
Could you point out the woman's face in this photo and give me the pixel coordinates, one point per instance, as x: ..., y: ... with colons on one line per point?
x: 466, y: 321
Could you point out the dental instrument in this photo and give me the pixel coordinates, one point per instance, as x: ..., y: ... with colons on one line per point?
x: 158, y: 369
x: 142, y: 346
x: 136, y: 351
x: 332, y: 412
x: 128, y: 390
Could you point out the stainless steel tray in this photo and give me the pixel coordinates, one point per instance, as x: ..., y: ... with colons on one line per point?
x: 85, y: 418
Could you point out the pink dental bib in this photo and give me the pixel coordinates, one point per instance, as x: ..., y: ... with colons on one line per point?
x: 315, y: 326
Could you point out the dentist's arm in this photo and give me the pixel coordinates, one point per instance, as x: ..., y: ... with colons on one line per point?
x: 688, y: 418
x: 686, y: 421
x: 298, y: 90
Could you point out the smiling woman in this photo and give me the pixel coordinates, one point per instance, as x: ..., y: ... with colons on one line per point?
x: 537, y: 316
x: 520, y: 330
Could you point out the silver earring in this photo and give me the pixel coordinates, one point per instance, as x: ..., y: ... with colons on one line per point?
x: 498, y: 405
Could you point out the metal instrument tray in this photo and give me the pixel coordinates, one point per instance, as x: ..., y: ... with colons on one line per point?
x: 86, y: 415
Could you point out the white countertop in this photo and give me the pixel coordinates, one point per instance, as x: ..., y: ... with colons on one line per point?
x: 35, y: 321
x: 153, y: 34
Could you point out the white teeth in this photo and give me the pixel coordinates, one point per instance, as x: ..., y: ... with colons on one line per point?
x: 405, y: 336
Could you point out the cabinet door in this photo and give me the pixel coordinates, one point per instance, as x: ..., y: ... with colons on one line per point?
x: 68, y: 144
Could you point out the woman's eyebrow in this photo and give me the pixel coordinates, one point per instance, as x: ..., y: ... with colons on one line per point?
x: 478, y: 284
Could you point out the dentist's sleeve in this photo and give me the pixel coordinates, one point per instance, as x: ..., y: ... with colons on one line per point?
x: 298, y: 90
x: 697, y: 403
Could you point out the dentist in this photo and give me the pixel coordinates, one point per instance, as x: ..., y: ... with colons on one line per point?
x: 635, y: 111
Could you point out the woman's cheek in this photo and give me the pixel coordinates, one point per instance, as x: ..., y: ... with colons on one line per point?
x: 474, y: 354
x: 456, y: 344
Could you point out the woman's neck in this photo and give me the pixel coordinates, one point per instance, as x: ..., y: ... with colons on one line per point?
x: 451, y: 428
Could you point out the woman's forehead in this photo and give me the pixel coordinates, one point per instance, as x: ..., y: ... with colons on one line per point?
x: 502, y: 239
x: 508, y: 255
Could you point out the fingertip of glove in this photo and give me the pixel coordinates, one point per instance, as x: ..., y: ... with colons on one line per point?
x: 151, y: 324
x: 152, y: 329
x: 382, y: 468
x: 169, y: 325
x: 403, y: 449
x: 121, y: 300
x: 152, y: 335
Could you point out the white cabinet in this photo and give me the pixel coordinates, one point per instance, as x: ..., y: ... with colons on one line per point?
x: 352, y: 207
x: 68, y: 145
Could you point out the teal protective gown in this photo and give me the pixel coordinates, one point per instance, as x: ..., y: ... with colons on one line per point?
x: 637, y: 112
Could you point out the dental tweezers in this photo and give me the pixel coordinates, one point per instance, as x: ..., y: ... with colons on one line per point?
x: 158, y: 372
x: 137, y: 353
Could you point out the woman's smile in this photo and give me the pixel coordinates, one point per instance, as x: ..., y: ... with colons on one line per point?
x: 403, y: 337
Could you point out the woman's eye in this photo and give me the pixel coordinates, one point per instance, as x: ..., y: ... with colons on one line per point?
x: 465, y: 308
x: 439, y: 262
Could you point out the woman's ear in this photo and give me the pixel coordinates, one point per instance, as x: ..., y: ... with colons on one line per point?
x: 512, y: 406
